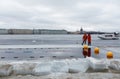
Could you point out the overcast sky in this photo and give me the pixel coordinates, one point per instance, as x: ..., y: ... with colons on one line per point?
x: 71, y: 15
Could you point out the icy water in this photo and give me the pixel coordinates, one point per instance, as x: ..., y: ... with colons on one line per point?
x: 62, y: 40
x: 53, y: 39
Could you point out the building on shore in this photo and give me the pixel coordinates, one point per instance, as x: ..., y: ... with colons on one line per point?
x: 36, y: 31
x: 20, y: 31
x: 82, y: 31
x: 3, y: 31
x: 47, y: 31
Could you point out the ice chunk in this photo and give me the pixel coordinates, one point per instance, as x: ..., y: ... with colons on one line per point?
x: 59, y: 66
x: 76, y: 66
x: 115, y: 65
x: 97, y: 65
x: 23, y: 69
x: 5, y: 69
x: 42, y: 69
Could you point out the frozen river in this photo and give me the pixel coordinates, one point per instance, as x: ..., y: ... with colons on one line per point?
x: 55, y: 46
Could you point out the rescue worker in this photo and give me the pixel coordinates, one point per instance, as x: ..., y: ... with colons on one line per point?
x: 89, y: 39
x: 84, y: 38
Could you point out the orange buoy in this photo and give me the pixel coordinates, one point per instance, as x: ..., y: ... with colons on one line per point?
x: 85, y: 53
x: 109, y: 55
x: 85, y: 50
x: 96, y: 50
x: 85, y: 47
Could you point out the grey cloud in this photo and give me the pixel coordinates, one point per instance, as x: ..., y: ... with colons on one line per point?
x: 60, y: 14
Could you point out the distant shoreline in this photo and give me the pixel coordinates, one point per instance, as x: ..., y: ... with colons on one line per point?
x: 45, y: 32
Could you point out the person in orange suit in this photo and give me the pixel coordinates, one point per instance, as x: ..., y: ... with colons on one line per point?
x: 84, y: 38
x: 89, y: 39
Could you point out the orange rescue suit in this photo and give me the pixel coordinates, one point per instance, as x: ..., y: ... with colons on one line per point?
x: 85, y: 37
x: 89, y: 38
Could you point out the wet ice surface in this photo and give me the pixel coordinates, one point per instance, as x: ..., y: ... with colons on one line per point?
x: 36, y: 53
x: 40, y: 53
x: 56, y: 53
